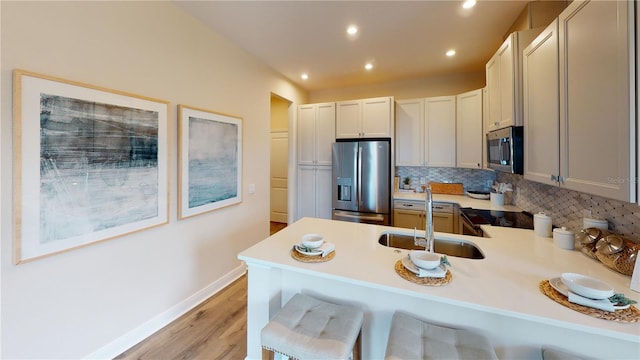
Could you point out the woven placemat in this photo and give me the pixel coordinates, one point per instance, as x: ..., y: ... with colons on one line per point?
x: 311, y: 258
x: 408, y: 275
x: 628, y: 315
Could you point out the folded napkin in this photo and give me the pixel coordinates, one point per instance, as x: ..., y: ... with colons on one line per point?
x: 603, y: 304
x: 326, y: 248
x: 438, y: 272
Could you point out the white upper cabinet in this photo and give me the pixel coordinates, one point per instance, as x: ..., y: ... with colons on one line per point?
x: 440, y: 131
x: 542, y: 108
x: 596, y: 87
x: 364, y: 118
x: 504, y: 79
x: 469, y: 138
x: 316, y: 132
x: 426, y: 132
x: 579, y: 113
x: 409, y: 132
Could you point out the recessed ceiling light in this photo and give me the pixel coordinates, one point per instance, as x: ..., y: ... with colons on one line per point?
x: 352, y: 30
x: 368, y: 66
x: 468, y: 4
x: 450, y: 53
x: 304, y: 76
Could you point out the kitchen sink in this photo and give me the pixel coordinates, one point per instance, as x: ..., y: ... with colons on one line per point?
x: 459, y: 248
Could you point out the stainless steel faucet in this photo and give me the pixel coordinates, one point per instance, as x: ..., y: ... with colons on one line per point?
x: 429, y: 219
x: 428, y: 232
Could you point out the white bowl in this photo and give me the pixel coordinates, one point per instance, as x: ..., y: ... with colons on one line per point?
x: 424, y: 259
x: 312, y: 241
x: 587, y: 286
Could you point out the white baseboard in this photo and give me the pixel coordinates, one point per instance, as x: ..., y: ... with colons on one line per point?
x: 133, y: 337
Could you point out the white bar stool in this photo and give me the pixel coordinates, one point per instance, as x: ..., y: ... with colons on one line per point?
x: 308, y: 328
x: 410, y: 338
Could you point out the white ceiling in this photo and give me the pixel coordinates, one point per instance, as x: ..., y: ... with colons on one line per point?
x: 403, y: 39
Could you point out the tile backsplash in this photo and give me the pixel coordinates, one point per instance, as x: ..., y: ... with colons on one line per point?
x: 471, y: 179
x: 564, y: 206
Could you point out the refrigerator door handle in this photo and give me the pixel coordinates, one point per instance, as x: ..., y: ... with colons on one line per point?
x: 343, y: 214
x: 359, y: 175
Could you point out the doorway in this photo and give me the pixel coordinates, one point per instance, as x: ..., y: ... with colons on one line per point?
x: 279, y: 160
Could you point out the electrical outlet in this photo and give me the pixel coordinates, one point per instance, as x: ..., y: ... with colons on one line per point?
x: 488, y: 183
x: 423, y: 180
x: 586, y: 213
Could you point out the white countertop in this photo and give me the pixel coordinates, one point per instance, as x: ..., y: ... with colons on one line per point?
x: 462, y: 200
x: 504, y: 283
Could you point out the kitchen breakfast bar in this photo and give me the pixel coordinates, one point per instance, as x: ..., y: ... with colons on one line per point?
x: 498, y: 294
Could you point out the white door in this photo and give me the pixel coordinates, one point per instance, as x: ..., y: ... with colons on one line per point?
x: 323, y: 192
x: 279, y: 176
x: 507, y: 91
x: 306, y: 191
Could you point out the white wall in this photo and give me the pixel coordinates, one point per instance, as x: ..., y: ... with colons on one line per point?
x: 72, y: 304
x: 406, y: 89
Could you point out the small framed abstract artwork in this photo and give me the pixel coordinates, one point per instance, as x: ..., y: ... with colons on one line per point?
x: 90, y: 164
x: 210, y: 161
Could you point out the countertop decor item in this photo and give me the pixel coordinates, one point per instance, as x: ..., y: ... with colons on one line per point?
x: 311, y: 258
x: 482, y: 195
x: 563, y: 238
x: 414, y: 278
x: 447, y: 188
x: 407, y: 183
x: 628, y: 315
x: 542, y: 224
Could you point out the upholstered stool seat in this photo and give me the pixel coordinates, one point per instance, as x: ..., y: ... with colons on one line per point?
x: 410, y: 338
x: 308, y: 328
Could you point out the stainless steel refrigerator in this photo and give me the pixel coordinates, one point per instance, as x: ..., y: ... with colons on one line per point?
x: 361, y: 179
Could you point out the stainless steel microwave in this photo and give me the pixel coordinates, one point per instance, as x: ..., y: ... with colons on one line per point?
x: 504, y: 149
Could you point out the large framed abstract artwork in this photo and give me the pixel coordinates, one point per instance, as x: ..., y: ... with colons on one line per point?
x: 90, y: 164
x: 210, y: 161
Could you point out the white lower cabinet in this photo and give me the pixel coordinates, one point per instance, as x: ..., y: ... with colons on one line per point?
x: 314, y: 191
x: 582, y: 139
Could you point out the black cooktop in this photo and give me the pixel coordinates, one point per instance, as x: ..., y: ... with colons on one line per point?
x: 522, y: 220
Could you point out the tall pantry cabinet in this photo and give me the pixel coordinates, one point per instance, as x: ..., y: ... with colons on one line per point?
x: 580, y: 113
x: 315, y: 134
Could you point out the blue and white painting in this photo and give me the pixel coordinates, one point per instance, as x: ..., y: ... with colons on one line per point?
x: 98, y: 166
x: 90, y: 164
x: 211, y: 160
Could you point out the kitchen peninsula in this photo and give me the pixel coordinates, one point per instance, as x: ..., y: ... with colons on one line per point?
x: 498, y: 294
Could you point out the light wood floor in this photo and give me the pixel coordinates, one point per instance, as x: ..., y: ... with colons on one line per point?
x: 215, y: 329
